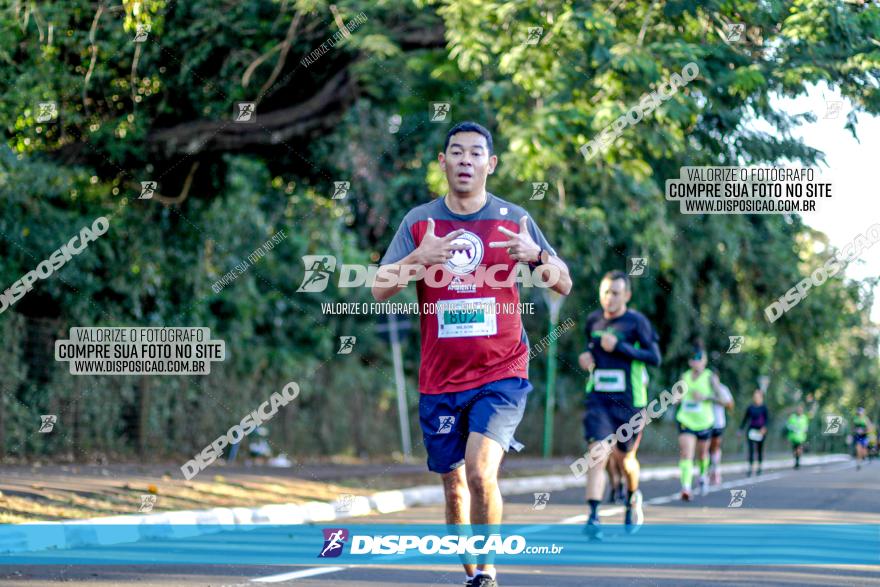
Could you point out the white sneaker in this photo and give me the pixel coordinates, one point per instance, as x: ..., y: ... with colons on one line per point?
x: 280, y: 461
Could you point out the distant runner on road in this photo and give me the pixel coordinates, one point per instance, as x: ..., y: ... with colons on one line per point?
x: 620, y: 343
x: 723, y: 403
x: 861, y: 428
x: 696, y: 417
x: 755, y: 422
x: 797, y: 426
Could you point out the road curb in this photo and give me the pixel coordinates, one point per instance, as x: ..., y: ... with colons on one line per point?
x: 179, y: 524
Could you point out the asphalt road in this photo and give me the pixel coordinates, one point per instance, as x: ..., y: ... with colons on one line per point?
x: 834, y: 493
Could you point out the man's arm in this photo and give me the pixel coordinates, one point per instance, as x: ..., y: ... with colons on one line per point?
x: 585, y: 359
x: 392, y: 278
x: 715, y: 383
x: 563, y: 284
x: 526, y: 246
x: 723, y: 396
x: 745, y: 420
x: 649, y: 353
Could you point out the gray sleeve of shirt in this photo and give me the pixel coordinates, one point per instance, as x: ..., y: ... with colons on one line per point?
x: 401, y: 245
x: 538, y: 236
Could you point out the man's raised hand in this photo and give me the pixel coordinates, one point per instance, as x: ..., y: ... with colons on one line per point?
x: 520, y: 246
x: 586, y: 361
x: 436, y: 250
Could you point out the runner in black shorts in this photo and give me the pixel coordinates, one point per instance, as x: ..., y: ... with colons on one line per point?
x: 861, y: 426
x: 620, y: 342
x: 696, y: 417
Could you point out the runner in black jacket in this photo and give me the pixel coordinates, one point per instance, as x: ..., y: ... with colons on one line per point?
x: 755, y: 420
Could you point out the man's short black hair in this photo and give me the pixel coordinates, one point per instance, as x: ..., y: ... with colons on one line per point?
x: 617, y: 274
x: 469, y: 127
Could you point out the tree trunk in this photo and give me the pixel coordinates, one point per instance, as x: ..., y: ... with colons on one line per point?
x: 143, y: 416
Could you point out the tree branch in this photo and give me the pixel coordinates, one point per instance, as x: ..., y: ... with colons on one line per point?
x: 184, y: 191
x: 645, y: 23
x: 270, y: 129
x: 246, y: 78
x: 285, y: 47
x: 94, y: 49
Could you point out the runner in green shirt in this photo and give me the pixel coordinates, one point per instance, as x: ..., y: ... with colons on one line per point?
x: 861, y: 426
x: 696, y: 416
x: 797, y: 433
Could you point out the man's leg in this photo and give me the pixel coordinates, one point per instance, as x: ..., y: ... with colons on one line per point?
x: 599, y: 426
x: 596, y: 475
x: 625, y: 455
x: 615, y: 477
x: 458, y: 504
x: 715, y: 459
x: 760, y: 448
x: 752, y: 444
x: 686, y: 445
x: 482, y: 460
x: 446, y: 449
x: 703, y: 461
x: 595, y: 487
x: 629, y: 464
x: 494, y: 415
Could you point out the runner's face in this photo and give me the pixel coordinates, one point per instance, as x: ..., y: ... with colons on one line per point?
x: 698, y: 365
x: 613, y: 296
x: 467, y: 163
x: 758, y: 398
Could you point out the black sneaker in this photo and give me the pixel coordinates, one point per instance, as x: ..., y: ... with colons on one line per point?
x: 468, y: 583
x: 634, y: 517
x: 593, y: 527
x: 484, y: 581
x: 613, y: 497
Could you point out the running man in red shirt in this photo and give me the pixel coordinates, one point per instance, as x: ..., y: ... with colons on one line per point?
x: 473, y: 377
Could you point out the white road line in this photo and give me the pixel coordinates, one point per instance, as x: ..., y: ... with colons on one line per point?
x: 609, y: 511
x: 745, y: 481
x: 298, y: 574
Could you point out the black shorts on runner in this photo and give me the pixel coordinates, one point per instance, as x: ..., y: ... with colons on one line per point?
x: 605, y: 415
x: 700, y: 434
x: 716, y: 432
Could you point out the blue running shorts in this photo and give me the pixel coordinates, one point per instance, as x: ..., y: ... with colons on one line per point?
x: 494, y: 410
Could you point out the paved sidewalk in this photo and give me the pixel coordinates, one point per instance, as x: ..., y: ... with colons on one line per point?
x: 57, y: 492
x: 54, y: 492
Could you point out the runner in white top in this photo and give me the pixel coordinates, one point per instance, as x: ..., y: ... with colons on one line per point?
x: 723, y: 402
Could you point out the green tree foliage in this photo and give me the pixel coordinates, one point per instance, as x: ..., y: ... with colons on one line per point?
x: 162, y: 110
